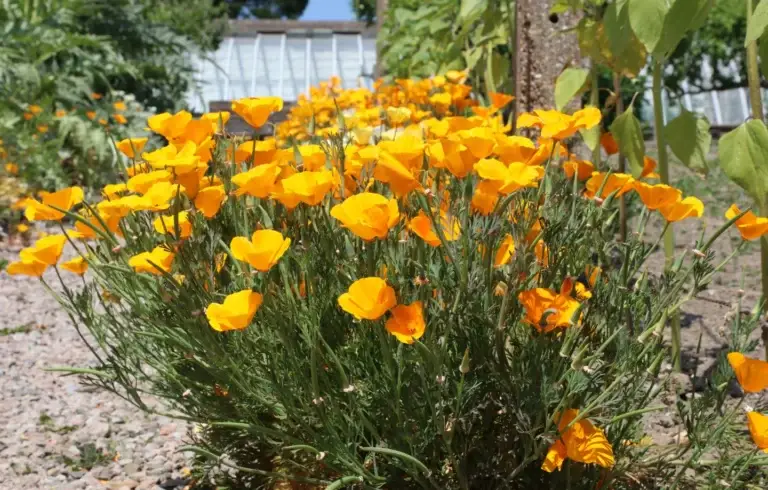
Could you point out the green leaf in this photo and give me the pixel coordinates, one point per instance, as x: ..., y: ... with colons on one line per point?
x: 628, y: 134
x: 568, y: 85
x: 683, y: 16
x: 617, y: 28
x: 647, y: 20
x: 758, y: 22
x: 689, y: 139
x: 591, y: 137
x: 470, y: 11
x: 762, y: 47
x: 742, y: 158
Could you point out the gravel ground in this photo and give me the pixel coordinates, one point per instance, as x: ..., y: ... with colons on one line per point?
x: 55, y: 433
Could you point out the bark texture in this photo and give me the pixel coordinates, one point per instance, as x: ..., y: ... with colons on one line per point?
x: 542, y: 53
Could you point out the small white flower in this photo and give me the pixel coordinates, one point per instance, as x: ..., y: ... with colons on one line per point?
x: 349, y: 389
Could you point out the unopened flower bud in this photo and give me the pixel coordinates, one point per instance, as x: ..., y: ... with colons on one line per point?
x: 501, y: 289
x: 464, y: 368
x: 117, y: 249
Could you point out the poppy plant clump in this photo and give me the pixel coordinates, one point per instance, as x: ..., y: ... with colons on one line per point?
x: 392, y: 291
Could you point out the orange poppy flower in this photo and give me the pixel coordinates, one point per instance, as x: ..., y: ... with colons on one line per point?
x: 166, y: 224
x: 258, y: 181
x: 209, y: 200
x: 262, y: 251
x: 131, y: 147
x: 758, y: 429
x: 622, y: 183
x: 581, y: 442
x: 656, y: 196
x: 407, y: 322
x: 78, y: 265
x: 505, y: 252
x: 511, y: 178
x: 309, y: 187
x: 368, y: 298
x: 608, y: 142
x: 499, y: 100
x: 62, y: 199
x: 156, y: 262
x: 423, y: 227
x: 547, y: 309
x: 169, y: 126
x: 582, y: 168
x: 235, y: 313
x: 367, y: 215
x: 559, y: 126
x: 752, y: 374
x: 750, y: 226
x: 690, y: 207
x: 256, y: 110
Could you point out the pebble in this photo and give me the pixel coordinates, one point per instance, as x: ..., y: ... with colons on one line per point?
x: 49, y: 420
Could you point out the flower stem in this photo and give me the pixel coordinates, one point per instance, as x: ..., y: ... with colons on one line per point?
x: 756, y: 100
x: 669, y: 237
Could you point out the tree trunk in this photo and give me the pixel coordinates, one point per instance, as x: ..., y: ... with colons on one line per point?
x: 381, y: 13
x: 542, y: 53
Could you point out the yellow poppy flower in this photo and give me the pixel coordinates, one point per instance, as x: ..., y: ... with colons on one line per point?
x: 78, y: 265
x: 407, y: 322
x: 367, y: 215
x: 210, y: 199
x: 752, y: 374
x: 309, y: 187
x: 90, y: 115
x: 750, y: 226
x: 46, y: 250
x: 559, y: 126
x: 26, y: 268
x: 262, y: 251
x: 216, y: 118
x: 690, y: 207
x: 581, y: 442
x: 368, y: 298
x: 62, y: 199
x: 313, y: 157
x: 156, y: 262
x: 120, y: 119
x: 256, y: 110
x: 141, y: 183
x: 169, y: 126
x: 508, y: 179
x: 131, y: 147
x: 12, y: 168
x: 480, y: 141
x: 166, y: 225
x: 485, y: 198
x: 235, y: 313
x: 258, y: 181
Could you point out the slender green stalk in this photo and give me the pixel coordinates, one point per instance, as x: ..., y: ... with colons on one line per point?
x: 622, y: 161
x: 669, y: 236
x: 756, y: 100
x: 594, y: 101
